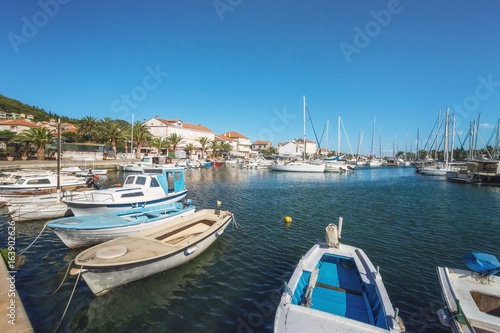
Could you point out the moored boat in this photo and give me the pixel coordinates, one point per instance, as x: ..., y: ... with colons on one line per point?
x: 43, y: 183
x: 138, y: 190
x: 87, y: 230
x: 126, y: 259
x: 335, y: 286
x: 472, y: 297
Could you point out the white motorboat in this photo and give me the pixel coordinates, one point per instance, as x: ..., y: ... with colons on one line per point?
x: 138, y: 190
x: 43, y: 183
x: 126, y: 259
x: 472, y: 297
x: 335, y: 287
x: 87, y: 230
x: 10, y: 177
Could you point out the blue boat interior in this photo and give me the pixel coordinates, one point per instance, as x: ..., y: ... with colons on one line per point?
x: 339, y: 290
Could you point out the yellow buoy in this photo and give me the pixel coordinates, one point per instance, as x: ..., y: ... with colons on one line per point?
x: 287, y: 219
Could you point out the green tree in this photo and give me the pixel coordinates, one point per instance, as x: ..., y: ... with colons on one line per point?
x: 110, y: 132
x: 190, y: 148
x: 160, y: 144
x: 204, y: 142
x: 87, y: 129
x: 175, y: 139
x: 39, y: 137
x: 142, y: 136
x: 215, y: 146
x: 226, y: 148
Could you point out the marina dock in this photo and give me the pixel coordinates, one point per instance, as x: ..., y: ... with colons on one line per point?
x: 12, y: 312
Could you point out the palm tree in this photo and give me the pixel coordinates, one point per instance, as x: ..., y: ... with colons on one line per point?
x: 175, y: 139
x: 226, y: 147
x: 39, y: 137
x: 214, y: 146
x: 141, y: 136
x: 204, y: 141
x: 87, y: 129
x: 190, y: 148
x: 160, y: 144
x: 111, y: 132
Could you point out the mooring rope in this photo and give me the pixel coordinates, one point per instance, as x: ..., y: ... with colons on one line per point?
x: 70, y: 297
x: 33, y: 242
x: 64, y: 278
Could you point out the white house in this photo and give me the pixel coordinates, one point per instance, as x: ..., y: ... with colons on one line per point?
x: 162, y: 128
x: 296, y: 148
x: 240, y: 143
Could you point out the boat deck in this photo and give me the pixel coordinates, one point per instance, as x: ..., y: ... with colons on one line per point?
x: 338, y: 290
x: 479, y: 299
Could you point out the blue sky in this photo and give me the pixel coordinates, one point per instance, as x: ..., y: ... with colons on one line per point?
x: 241, y: 65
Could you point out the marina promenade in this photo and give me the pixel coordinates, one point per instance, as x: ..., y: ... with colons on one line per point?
x: 12, y: 312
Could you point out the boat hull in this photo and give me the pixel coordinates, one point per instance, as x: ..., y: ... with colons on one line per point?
x: 83, y: 237
x: 149, y: 252
x: 30, y: 212
x: 298, y: 167
x: 80, y: 208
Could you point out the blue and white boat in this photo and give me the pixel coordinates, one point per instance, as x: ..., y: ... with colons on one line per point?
x: 335, y: 287
x: 472, y: 297
x: 87, y: 230
x: 138, y: 190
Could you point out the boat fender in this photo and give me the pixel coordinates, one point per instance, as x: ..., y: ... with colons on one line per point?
x: 111, y: 252
x: 190, y: 250
x: 444, y: 317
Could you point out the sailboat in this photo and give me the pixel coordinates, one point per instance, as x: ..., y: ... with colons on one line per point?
x: 373, y: 162
x: 300, y: 166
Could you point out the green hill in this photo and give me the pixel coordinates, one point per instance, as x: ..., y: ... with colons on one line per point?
x: 10, y: 105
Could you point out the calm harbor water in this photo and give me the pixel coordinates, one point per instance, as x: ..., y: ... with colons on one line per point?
x: 406, y: 223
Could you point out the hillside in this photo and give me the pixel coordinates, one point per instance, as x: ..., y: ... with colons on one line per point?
x: 10, y: 105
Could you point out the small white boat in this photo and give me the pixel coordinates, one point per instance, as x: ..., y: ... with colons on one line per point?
x: 138, y: 190
x: 45, y: 183
x: 472, y: 297
x: 298, y: 167
x: 22, y: 212
x: 10, y: 177
x: 87, y: 230
x: 335, y: 287
x: 126, y: 259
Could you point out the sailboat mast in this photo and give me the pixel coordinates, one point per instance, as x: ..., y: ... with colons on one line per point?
x: 373, y: 137
x: 338, y: 136
x: 132, y: 138
x: 446, y: 134
x: 304, y: 154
